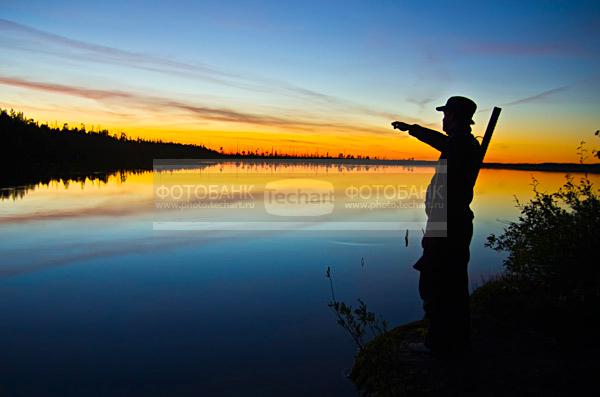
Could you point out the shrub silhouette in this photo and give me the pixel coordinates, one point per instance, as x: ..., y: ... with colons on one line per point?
x: 552, y: 274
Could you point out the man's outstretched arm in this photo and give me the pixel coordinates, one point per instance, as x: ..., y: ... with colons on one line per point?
x: 435, y: 139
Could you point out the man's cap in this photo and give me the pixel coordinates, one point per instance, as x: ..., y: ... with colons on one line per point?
x: 461, y: 106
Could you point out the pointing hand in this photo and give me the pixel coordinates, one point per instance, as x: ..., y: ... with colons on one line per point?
x: 399, y: 125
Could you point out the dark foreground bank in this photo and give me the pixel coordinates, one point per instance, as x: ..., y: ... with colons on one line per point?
x: 508, y: 357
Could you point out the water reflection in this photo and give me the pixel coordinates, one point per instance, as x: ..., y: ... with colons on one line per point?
x: 93, y: 295
x: 19, y: 191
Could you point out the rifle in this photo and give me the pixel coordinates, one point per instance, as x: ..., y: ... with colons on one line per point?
x: 487, y: 137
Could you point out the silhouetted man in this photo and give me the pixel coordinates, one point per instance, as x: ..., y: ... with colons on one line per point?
x: 443, y: 282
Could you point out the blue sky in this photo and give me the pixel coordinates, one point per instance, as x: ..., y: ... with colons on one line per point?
x: 340, y: 70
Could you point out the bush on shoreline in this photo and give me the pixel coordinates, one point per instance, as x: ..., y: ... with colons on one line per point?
x: 551, y: 274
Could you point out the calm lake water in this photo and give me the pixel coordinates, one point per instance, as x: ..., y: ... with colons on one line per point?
x: 104, y: 293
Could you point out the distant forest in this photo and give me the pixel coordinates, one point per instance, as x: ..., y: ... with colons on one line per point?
x: 30, y: 151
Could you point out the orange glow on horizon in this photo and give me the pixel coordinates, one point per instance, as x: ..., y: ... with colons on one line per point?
x: 506, y: 146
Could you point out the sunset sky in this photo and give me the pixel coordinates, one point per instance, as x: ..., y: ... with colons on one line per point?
x: 308, y: 76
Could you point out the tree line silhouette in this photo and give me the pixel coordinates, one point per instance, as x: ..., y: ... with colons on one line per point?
x: 33, y: 152
x: 30, y: 151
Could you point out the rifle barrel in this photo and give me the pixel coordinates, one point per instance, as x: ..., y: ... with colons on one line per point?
x: 487, y: 137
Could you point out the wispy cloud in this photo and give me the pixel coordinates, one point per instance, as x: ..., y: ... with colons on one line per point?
x: 107, y: 54
x: 531, y: 98
x: 421, y: 102
x: 30, y: 39
x: 160, y: 104
x: 536, y: 97
x: 508, y: 48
